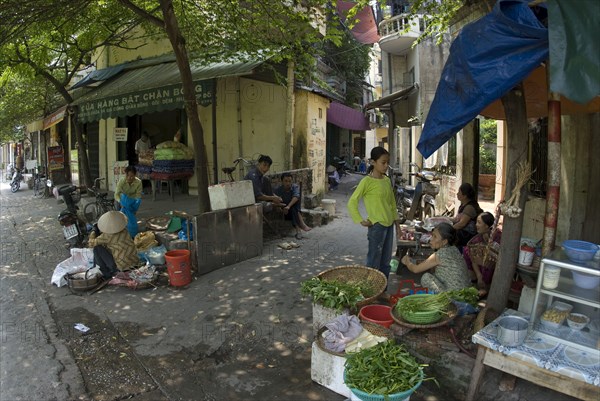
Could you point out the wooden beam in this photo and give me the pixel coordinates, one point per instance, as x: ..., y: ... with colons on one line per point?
x: 517, y: 146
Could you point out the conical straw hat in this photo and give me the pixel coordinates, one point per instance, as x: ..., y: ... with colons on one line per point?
x: 330, y: 169
x: 112, y: 222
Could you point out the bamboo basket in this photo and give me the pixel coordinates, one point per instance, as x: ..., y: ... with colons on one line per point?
x: 357, y: 274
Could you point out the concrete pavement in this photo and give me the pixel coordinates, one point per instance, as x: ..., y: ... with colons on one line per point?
x: 242, y: 332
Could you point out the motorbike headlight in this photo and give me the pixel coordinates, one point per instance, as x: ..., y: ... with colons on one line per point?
x: 49, y: 183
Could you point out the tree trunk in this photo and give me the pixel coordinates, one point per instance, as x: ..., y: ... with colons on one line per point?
x: 191, y: 105
x: 84, y: 164
x: 517, y: 146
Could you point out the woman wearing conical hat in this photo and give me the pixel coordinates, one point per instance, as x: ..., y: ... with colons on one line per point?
x: 114, y: 249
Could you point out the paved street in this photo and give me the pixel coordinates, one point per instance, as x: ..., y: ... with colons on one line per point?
x: 242, y: 332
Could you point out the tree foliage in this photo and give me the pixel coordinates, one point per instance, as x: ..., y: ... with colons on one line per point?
x: 54, y: 39
x: 350, y: 61
x: 49, y: 42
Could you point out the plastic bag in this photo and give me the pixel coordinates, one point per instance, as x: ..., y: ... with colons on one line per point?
x: 81, y: 259
x: 129, y: 206
x: 156, y: 255
x: 465, y: 308
x: 183, y: 232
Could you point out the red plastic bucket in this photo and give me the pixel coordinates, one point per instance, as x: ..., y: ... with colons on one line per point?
x: 178, y: 267
x: 378, y: 314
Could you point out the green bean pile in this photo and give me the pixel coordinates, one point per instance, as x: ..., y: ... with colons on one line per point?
x: 384, y: 369
x: 432, y: 303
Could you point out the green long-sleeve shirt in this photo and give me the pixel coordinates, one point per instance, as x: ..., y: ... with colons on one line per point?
x: 133, y: 190
x: 378, y: 198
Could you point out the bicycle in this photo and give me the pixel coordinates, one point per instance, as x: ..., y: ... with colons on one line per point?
x: 40, y: 186
x: 229, y: 170
x: 93, y: 211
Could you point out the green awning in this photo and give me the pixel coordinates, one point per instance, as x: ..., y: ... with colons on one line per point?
x: 154, y: 88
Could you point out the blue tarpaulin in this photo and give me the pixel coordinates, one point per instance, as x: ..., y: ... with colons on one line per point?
x: 488, y: 58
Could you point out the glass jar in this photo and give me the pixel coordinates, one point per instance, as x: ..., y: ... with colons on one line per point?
x: 551, y: 277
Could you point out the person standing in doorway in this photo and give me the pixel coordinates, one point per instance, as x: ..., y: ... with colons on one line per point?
x: 142, y: 144
x: 376, y: 191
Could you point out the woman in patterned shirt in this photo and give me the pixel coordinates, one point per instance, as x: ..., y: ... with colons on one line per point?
x: 446, y: 268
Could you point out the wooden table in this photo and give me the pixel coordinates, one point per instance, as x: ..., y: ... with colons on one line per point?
x: 515, y: 361
x: 530, y: 372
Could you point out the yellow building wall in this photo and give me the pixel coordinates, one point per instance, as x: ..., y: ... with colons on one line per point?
x: 145, y: 47
x: 310, y: 123
x: 250, y: 122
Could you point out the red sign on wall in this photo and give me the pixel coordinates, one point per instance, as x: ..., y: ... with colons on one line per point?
x: 56, y: 158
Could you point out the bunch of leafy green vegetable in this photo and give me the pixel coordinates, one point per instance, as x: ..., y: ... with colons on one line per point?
x: 383, y: 369
x: 335, y: 294
x: 469, y: 295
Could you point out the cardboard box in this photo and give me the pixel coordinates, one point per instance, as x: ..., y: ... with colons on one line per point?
x: 231, y: 194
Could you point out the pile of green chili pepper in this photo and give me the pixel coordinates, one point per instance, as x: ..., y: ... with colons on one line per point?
x: 432, y: 303
x: 384, y: 369
x: 335, y: 294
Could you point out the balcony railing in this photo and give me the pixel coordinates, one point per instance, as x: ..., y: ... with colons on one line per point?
x: 402, y: 25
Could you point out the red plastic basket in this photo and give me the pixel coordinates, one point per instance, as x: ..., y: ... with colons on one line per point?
x: 406, y: 288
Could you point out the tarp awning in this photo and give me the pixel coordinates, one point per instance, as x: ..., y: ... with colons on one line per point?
x: 365, y: 30
x: 54, y: 118
x: 347, y: 117
x: 393, y: 97
x: 154, y: 88
x: 99, y: 76
x: 574, y: 29
x: 487, y: 58
x: 492, y: 55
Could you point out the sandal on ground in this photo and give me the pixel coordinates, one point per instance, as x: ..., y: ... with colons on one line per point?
x: 285, y: 245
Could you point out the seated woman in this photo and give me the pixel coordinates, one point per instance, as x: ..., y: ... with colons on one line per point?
x: 469, y: 209
x: 448, y: 268
x: 114, y: 250
x: 333, y: 178
x: 481, y: 254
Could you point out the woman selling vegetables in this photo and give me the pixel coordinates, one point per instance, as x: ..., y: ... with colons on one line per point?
x: 447, y: 265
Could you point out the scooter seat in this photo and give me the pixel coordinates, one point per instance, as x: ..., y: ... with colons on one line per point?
x: 67, y: 189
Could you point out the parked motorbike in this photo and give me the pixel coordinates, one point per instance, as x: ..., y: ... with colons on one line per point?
x: 341, y: 166
x: 74, y: 228
x: 10, y: 170
x: 418, y: 202
x: 15, y: 184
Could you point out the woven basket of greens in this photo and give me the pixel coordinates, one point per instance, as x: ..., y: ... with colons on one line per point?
x: 432, y: 309
x: 372, y: 282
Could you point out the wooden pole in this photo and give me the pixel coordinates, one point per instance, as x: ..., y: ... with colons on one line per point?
x: 553, y: 190
x: 517, y: 145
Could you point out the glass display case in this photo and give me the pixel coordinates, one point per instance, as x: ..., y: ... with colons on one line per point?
x: 564, y: 287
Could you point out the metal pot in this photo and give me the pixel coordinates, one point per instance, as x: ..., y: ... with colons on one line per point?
x: 512, y: 330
